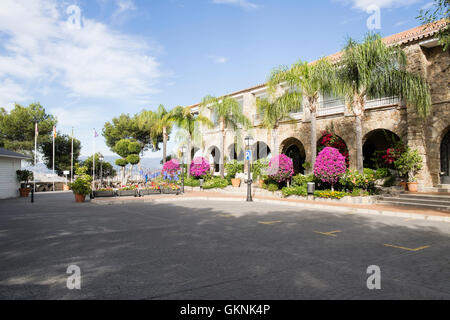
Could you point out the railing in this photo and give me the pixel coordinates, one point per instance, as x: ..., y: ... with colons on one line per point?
x: 332, y: 106
x: 385, y: 101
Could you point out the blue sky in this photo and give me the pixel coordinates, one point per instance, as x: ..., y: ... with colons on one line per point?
x: 129, y: 55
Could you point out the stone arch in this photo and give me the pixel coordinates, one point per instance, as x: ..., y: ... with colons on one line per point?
x: 233, y: 154
x: 260, y: 150
x: 336, y: 141
x: 195, y: 151
x: 213, y: 156
x: 375, y: 142
x: 294, y: 149
x: 445, y: 157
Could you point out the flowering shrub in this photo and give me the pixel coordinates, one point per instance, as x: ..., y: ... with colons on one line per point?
x: 352, y: 180
x: 330, y: 165
x: 171, y: 167
x: 199, y: 167
x: 331, y: 140
x: 280, y: 168
x: 330, y: 194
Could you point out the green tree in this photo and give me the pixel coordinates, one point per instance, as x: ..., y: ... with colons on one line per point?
x: 127, y: 127
x: 230, y: 116
x: 107, y: 169
x: 439, y: 11
x: 17, y: 128
x: 63, y: 149
x: 189, y: 123
x: 371, y: 69
x: 129, y: 151
x: 159, y: 125
x: 276, y: 109
x: 305, y: 81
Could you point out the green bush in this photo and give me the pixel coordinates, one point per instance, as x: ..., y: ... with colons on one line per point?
x: 382, y: 173
x: 353, y: 179
x: 82, y: 185
x: 24, y: 176
x: 272, y: 187
x: 328, y: 194
x: 301, y: 180
x: 296, y: 190
x: 191, y: 182
x: 409, y: 164
x: 389, y: 182
x: 232, y: 168
x: 259, y: 168
x: 215, y: 183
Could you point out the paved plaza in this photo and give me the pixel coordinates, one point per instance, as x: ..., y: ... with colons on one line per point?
x: 196, y: 249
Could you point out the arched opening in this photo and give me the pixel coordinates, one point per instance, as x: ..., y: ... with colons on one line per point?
x: 214, y: 158
x: 234, y: 154
x: 329, y: 139
x: 376, y: 145
x: 445, y: 158
x: 195, y: 152
x: 294, y: 149
x: 260, y: 150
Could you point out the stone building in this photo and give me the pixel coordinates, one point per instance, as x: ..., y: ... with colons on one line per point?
x: 385, y: 119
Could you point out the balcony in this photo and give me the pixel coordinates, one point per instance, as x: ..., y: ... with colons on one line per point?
x: 382, y: 102
x: 331, y: 106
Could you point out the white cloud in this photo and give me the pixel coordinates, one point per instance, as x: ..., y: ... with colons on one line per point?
x: 123, y: 6
x: 10, y: 93
x: 39, y: 50
x: 245, y: 4
x: 82, y: 116
x: 218, y: 60
x: 364, y: 4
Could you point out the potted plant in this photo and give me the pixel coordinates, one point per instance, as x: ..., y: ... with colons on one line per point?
x: 150, y: 189
x: 233, y: 169
x: 259, y: 168
x: 127, y: 191
x: 170, y: 188
x: 81, y: 187
x: 409, y: 164
x: 24, y: 176
x: 104, y: 192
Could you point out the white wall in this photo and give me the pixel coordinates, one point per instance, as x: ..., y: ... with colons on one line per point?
x: 9, y: 186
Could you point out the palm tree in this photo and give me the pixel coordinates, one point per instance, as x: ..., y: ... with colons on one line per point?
x: 185, y: 120
x: 276, y: 109
x: 230, y: 115
x: 370, y: 70
x: 159, y: 123
x: 307, y: 81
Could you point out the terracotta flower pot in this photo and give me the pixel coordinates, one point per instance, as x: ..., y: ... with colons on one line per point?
x: 79, y: 197
x: 260, y: 183
x: 413, y: 186
x: 24, y: 192
x: 236, y: 183
x: 404, y: 185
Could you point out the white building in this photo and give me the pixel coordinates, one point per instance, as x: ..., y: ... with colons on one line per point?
x: 10, y: 162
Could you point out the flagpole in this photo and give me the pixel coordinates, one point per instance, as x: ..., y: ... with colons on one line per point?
x: 93, y: 160
x: 54, y: 133
x: 71, y: 161
x: 35, y: 152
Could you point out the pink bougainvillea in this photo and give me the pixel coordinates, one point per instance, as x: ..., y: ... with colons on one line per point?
x: 280, y: 168
x: 330, y: 165
x: 171, y: 167
x: 199, y: 167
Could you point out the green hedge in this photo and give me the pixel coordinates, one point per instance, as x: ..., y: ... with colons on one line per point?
x: 295, y: 190
x: 215, y: 183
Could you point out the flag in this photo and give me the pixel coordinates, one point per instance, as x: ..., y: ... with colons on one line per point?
x: 36, y: 131
x: 54, y: 131
x: 95, y: 134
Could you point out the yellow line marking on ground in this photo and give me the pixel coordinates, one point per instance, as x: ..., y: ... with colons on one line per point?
x: 226, y: 215
x: 269, y: 222
x: 330, y: 233
x: 408, y: 249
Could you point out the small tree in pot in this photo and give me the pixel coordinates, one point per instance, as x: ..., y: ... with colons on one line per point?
x: 232, y: 168
x: 81, y: 187
x: 24, y: 176
x: 409, y: 164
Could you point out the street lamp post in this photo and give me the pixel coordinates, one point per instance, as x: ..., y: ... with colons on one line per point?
x: 101, y: 158
x: 248, y: 142
x: 183, y: 150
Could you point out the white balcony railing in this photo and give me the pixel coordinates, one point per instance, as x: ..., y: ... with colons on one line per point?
x: 381, y: 102
x: 331, y: 106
